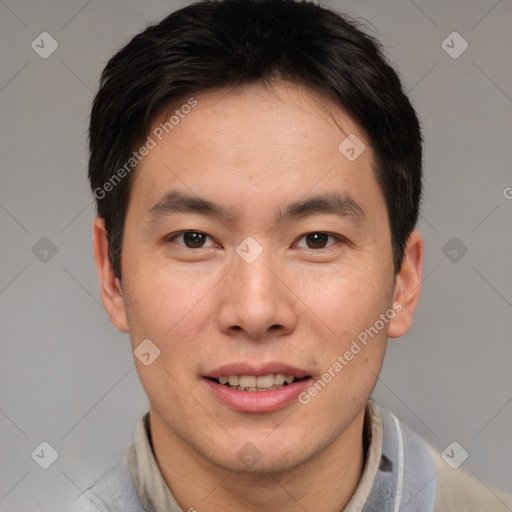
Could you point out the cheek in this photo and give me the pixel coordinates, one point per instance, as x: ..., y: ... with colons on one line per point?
x: 352, y: 352
x: 158, y: 298
x: 348, y: 302
x: 172, y: 312
x: 350, y: 305
x: 161, y: 313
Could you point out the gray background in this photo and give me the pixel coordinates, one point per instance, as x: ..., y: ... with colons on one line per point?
x: 67, y: 376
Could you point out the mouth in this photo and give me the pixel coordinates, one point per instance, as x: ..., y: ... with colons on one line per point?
x: 253, y: 388
x: 254, y: 383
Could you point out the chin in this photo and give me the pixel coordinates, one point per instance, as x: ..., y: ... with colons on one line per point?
x: 254, y: 455
x: 262, y: 464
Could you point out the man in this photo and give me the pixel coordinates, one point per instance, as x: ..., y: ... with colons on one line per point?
x: 257, y: 171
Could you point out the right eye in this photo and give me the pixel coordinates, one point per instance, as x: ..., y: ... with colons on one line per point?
x: 190, y: 239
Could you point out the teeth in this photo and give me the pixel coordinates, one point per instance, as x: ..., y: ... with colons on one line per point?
x: 234, y: 380
x: 265, y: 381
x: 252, y: 383
x: 279, y: 379
x: 247, y: 381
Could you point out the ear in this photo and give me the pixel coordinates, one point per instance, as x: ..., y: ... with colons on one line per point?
x: 408, y: 286
x: 111, y: 291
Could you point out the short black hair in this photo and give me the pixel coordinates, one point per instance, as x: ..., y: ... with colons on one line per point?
x: 228, y: 43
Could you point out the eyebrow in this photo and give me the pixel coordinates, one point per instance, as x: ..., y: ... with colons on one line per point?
x: 333, y: 203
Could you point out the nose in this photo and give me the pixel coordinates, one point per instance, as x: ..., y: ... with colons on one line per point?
x: 256, y: 301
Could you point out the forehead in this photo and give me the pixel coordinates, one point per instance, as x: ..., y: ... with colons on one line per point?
x: 235, y: 144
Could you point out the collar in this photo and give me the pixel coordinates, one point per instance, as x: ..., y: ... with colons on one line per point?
x: 398, y: 472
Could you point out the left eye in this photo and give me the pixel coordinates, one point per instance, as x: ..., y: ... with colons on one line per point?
x: 191, y: 239
x: 317, y: 240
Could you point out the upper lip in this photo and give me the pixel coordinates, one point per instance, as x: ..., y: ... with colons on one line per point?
x: 246, y: 368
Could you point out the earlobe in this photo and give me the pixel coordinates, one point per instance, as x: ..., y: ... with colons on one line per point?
x: 111, y: 289
x: 408, y: 286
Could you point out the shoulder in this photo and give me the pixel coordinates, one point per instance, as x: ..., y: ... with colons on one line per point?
x: 458, y: 490
x: 113, y: 492
x: 444, y: 488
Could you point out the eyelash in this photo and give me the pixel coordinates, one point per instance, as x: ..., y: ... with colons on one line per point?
x: 338, y: 238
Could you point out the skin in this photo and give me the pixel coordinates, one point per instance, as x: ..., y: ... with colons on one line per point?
x: 254, y: 150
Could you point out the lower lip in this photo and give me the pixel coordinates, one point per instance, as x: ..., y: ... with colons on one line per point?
x: 258, y: 401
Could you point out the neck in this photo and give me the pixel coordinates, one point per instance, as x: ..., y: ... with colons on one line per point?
x: 324, y: 483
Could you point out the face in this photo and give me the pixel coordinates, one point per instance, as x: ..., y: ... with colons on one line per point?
x: 256, y: 252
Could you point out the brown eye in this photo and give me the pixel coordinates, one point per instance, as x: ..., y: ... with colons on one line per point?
x: 193, y: 239
x: 317, y: 240
x: 190, y: 239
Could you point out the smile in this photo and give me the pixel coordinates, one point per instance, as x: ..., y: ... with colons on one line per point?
x: 257, y: 383
x: 256, y: 388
